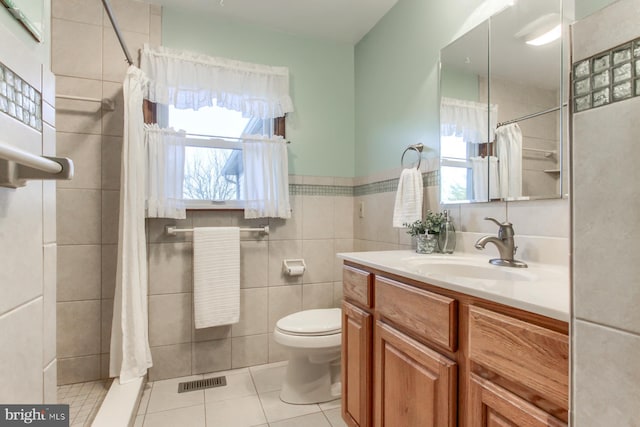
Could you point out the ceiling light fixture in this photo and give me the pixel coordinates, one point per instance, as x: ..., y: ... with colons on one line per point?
x: 546, y: 38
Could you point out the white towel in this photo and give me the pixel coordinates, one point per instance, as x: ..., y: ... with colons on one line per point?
x: 216, y: 276
x: 408, y: 206
x: 509, y: 150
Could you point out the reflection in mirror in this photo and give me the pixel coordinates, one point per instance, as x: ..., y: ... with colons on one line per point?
x: 525, y: 82
x: 500, y: 113
x: 29, y: 13
x: 464, y: 117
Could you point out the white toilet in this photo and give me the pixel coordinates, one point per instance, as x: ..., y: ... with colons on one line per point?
x: 313, y: 340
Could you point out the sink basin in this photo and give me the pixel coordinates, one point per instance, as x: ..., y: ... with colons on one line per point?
x: 470, y: 271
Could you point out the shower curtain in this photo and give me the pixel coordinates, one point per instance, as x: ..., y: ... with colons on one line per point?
x: 130, y: 354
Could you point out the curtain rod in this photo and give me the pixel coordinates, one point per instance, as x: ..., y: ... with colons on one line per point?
x: 530, y: 116
x: 228, y: 137
x: 114, y: 23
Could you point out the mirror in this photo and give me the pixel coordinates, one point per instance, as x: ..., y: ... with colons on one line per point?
x: 29, y: 13
x: 501, y: 115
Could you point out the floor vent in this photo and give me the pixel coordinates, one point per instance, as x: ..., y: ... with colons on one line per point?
x: 202, y: 384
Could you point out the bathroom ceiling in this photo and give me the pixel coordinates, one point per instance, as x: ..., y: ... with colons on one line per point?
x: 337, y: 20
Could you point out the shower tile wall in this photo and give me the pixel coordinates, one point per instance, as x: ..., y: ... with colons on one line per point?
x: 28, y: 243
x: 87, y: 61
x: 606, y: 296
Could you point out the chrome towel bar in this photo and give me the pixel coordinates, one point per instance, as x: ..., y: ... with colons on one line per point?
x: 172, y: 230
x: 415, y: 147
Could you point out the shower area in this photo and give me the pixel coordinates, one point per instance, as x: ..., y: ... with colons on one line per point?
x: 90, y: 61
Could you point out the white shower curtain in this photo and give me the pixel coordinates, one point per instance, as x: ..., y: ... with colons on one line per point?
x: 486, y: 184
x: 266, y: 177
x: 165, y: 166
x: 130, y: 355
x: 509, y: 151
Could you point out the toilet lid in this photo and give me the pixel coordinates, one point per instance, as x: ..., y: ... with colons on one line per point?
x: 312, y: 322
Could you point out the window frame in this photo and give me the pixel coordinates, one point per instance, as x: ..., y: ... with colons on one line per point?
x: 152, y: 111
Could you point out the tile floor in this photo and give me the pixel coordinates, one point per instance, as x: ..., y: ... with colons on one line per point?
x: 84, y: 400
x: 249, y: 399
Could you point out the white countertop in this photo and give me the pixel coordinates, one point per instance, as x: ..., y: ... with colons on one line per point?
x: 541, y: 288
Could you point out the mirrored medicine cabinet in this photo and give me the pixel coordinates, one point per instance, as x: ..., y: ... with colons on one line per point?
x: 503, y: 107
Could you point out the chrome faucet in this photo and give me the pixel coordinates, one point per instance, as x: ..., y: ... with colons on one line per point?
x: 505, y: 244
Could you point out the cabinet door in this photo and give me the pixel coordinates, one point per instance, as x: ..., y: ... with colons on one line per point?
x: 356, y: 365
x: 492, y: 406
x: 414, y: 385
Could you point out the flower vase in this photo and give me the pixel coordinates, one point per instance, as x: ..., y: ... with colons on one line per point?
x: 426, y: 243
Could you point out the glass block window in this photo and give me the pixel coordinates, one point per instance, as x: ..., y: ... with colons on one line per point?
x: 19, y: 99
x: 607, y: 77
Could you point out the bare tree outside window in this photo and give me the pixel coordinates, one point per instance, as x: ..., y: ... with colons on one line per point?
x: 203, y: 177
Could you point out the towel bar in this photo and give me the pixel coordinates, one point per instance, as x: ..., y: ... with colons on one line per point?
x: 415, y: 147
x: 172, y: 230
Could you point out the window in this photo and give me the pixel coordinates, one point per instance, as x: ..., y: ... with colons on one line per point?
x: 213, y: 155
x: 455, y: 169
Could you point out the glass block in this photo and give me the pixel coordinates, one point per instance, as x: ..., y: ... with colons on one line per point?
x: 18, y: 115
x: 581, y: 69
x: 4, y: 105
x: 622, y: 72
x: 636, y: 49
x: 3, y: 88
x: 582, y: 87
x: 601, y: 97
x: 11, y: 109
x: 25, y: 87
x: 19, y: 99
x: 622, y: 91
x: 32, y: 121
x: 38, y: 98
x: 11, y: 93
x: 638, y: 67
x: 622, y: 55
x: 39, y: 124
x: 601, y: 79
x: 1, y: 73
x: 17, y: 84
x: 583, y: 103
x: 601, y: 63
x: 8, y: 77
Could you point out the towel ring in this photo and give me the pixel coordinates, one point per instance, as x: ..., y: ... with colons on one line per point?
x: 415, y: 147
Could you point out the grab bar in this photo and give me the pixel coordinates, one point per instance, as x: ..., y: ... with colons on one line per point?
x: 107, y: 103
x: 17, y: 166
x: 172, y: 230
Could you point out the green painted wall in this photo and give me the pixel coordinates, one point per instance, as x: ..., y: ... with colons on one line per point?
x: 459, y: 84
x: 396, y: 69
x: 322, y: 83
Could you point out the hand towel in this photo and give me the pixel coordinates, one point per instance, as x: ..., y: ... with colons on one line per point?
x: 408, y: 205
x: 509, y: 150
x: 216, y: 276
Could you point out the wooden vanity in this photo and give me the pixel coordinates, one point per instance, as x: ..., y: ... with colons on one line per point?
x: 419, y: 355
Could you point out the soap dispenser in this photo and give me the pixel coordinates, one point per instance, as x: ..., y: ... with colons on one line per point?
x: 447, y: 237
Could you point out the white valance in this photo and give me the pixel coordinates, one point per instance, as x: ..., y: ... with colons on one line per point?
x: 193, y: 80
x: 475, y: 122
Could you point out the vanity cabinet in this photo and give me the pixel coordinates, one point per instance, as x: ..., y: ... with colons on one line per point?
x: 419, y: 355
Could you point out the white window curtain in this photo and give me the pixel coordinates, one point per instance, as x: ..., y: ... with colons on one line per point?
x: 165, y: 172
x: 266, y: 177
x: 468, y: 119
x: 192, y: 80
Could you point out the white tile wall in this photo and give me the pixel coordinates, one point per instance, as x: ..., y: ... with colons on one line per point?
x: 606, y: 375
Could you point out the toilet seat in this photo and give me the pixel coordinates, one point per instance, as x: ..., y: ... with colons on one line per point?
x: 319, y: 322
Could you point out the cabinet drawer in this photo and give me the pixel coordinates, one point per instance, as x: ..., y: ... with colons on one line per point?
x: 357, y: 286
x: 522, y: 353
x: 423, y: 313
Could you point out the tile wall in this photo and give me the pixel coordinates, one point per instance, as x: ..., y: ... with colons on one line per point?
x: 606, y: 320
x: 28, y: 243
x: 88, y: 61
x: 320, y: 227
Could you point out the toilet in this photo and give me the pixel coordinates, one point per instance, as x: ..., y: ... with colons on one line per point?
x: 313, y: 340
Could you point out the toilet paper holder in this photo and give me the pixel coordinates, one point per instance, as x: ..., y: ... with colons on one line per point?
x: 294, y: 267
